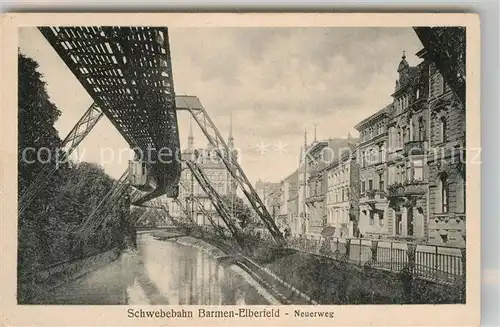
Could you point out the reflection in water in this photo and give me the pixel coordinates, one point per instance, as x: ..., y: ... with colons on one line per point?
x: 161, y: 272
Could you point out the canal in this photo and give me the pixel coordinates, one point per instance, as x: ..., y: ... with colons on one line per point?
x: 162, y: 272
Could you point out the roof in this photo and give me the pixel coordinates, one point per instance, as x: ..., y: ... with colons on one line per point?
x: 381, y: 112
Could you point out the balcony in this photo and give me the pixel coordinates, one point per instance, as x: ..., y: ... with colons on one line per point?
x: 414, y: 148
x: 315, y: 198
x: 372, y: 196
x: 411, y: 188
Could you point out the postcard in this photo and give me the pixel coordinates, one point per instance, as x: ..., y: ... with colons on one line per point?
x: 240, y: 169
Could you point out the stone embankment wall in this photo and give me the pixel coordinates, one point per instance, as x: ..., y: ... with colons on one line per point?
x: 58, y: 274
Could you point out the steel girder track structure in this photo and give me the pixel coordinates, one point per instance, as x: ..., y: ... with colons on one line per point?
x: 195, y: 108
x: 217, y: 202
x: 128, y: 73
x: 201, y: 208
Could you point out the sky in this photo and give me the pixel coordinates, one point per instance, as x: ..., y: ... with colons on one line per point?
x: 276, y: 82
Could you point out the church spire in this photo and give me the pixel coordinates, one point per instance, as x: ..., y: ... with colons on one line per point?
x: 230, y: 139
x: 190, y: 137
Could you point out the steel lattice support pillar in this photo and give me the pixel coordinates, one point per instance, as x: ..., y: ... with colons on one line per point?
x: 100, y: 213
x: 164, y: 208
x: 82, y: 128
x: 217, y: 201
x: 201, y: 208
x: 225, y: 154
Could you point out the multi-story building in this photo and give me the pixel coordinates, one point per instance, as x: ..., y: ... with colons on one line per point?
x: 372, y: 159
x: 407, y: 187
x: 446, y: 161
x: 319, y: 156
x: 342, y: 198
x: 288, y: 203
x: 315, y: 193
x: 215, y: 170
x: 293, y: 203
x: 267, y: 191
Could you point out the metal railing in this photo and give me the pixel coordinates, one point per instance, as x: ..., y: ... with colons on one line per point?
x: 440, y: 264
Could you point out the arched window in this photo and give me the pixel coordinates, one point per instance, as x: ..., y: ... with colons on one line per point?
x: 442, y: 129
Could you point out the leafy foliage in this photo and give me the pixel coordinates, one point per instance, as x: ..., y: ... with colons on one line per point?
x: 46, y: 228
x: 242, y: 212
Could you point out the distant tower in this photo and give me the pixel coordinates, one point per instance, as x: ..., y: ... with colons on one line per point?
x: 230, y: 139
x: 190, y: 137
x: 232, y: 185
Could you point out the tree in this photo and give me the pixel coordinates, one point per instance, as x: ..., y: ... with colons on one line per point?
x: 242, y: 212
x: 46, y: 229
x: 36, y: 134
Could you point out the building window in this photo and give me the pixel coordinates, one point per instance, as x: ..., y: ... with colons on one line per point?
x: 381, y: 215
x: 412, y: 130
x: 421, y: 129
x: 442, y: 129
x: 460, y: 207
x: 409, y: 221
x: 363, y: 185
x: 370, y: 184
x: 441, y: 84
x: 408, y: 172
x: 418, y: 170
x: 444, y: 193
x: 417, y: 95
x: 381, y: 181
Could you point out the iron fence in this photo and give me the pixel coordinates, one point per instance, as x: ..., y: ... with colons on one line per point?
x: 430, y: 262
x: 440, y: 264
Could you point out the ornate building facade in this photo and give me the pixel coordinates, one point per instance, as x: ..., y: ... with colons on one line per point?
x: 408, y: 144
x: 372, y: 156
x: 268, y: 192
x: 315, y: 196
x: 342, y: 198
x: 216, y: 172
x: 446, y: 162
